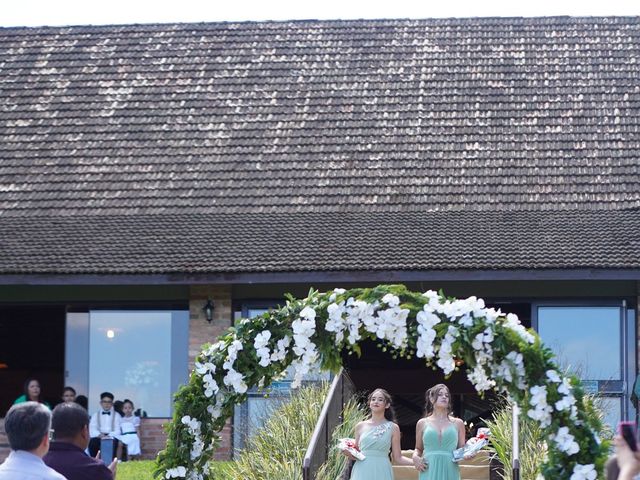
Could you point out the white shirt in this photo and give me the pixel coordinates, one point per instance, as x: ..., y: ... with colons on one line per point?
x: 109, y: 424
x: 21, y: 465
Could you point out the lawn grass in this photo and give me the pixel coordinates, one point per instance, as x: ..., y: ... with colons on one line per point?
x: 143, y: 469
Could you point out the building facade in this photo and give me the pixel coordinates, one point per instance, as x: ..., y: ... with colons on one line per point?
x: 148, y: 169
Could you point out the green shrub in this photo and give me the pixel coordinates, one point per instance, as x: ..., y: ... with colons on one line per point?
x: 276, y: 451
x: 533, y: 444
x: 353, y: 413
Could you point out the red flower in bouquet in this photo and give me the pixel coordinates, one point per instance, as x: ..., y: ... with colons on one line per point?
x: 349, y: 445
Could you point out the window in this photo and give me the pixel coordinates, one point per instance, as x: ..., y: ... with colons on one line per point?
x: 591, y: 341
x: 585, y: 339
x: 141, y: 355
x: 252, y: 414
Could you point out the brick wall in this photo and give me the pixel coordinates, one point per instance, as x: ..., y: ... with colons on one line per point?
x: 225, y: 450
x: 152, y: 436
x: 153, y: 439
x: 200, y: 331
x: 5, y: 450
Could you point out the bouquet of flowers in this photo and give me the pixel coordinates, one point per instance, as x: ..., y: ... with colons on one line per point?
x: 349, y: 445
x: 473, y: 445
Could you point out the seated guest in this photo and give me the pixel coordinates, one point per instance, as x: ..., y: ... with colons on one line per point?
x: 31, y: 393
x: 71, y: 437
x: 117, y: 406
x: 628, y: 460
x: 83, y: 401
x: 140, y: 413
x: 104, y: 423
x: 130, y: 425
x: 611, y: 469
x: 27, y: 426
x: 68, y: 395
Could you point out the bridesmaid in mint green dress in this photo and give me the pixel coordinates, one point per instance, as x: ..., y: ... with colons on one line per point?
x: 437, y: 436
x: 375, y: 437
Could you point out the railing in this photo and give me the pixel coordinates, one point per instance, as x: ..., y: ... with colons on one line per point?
x: 341, y: 390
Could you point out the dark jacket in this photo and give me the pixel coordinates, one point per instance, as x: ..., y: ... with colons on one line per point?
x: 74, y: 464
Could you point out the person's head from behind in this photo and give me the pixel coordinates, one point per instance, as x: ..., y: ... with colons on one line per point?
x: 106, y: 400
x: 438, y: 397
x: 27, y: 426
x: 68, y: 395
x: 127, y: 407
x: 117, y: 406
x: 32, y: 390
x: 83, y: 401
x: 70, y: 423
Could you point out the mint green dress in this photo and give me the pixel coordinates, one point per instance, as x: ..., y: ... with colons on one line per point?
x: 438, y: 454
x: 375, y: 444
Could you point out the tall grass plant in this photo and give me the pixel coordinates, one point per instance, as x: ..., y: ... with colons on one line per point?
x: 276, y: 451
x: 353, y: 413
x: 533, y: 444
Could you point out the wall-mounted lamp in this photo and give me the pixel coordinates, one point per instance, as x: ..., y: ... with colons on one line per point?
x: 208, y: 310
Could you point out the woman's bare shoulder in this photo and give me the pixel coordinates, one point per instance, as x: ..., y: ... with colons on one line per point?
x: 361, y: 424
x: 458, y: 422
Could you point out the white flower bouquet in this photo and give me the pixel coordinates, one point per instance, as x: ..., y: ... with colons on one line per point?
x: 473, y: 445
x: 349, y: 445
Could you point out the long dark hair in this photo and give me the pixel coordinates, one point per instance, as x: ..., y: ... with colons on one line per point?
x: 389, y: 412
x: 26, y: 389
x: 431, y: 396
x: 83, y: 401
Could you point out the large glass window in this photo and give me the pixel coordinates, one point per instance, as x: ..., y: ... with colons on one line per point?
x: 584, y: 339
x: 140, y: 355
x: 590, y: 342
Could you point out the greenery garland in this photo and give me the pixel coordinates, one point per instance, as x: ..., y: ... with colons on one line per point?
x: 498, y: 353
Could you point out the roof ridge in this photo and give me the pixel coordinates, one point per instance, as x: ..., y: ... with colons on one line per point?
x: 337, y: 21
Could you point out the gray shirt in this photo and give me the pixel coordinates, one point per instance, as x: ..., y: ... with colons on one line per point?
x: 21, y: 465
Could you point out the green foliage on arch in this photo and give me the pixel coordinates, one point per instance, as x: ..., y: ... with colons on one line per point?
x: 498, y: 352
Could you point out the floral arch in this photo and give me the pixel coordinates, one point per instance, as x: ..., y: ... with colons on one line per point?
x: 499, y: 354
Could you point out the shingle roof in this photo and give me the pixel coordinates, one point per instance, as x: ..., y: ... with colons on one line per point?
x: 304, y: 146
x: 312, y: 116
x: 351, y: 241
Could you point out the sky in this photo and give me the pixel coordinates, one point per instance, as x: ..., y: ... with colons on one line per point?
x: 101, y: 12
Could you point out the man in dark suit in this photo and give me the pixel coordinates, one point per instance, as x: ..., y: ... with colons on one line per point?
x: 28, y: 426
x: 67, y: 455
